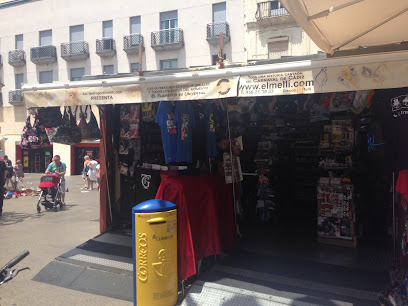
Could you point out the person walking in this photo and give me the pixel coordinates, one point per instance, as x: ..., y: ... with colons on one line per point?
x: 98, y: 176
x: 3, y: 173
x: 92, y: 172
x: 9, y: 169
x: 19, y: 170
x: 59, y: 168
x: 85, y: 170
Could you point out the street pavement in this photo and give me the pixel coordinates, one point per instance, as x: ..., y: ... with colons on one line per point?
x: 47, y: 235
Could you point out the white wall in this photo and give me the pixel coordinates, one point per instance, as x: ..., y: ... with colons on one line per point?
x: 64, y: 151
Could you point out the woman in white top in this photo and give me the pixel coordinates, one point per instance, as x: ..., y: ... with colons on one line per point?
x: 85, y: 170
x: 92, y: 172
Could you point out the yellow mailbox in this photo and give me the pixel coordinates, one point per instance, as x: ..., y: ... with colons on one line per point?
x: 155, y: 253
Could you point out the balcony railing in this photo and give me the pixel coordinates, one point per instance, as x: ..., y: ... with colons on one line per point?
x: 43, y: 55
x: 131, y: 43
x: 16, y: 97
x: 75, y: 51
x: 270, y: 9
x: 215, y: 29
x: 17, y: 58
x: 105, y: 47
x: 170, y: 39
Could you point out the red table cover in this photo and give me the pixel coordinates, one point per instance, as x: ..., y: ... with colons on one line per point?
x: 205, y: 217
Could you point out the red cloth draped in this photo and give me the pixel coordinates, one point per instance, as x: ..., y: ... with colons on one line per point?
x: 402, y: 182
x: 402, y: 220
x: 205, y: 217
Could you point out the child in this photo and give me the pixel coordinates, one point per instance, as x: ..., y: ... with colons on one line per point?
x: 19, y: 171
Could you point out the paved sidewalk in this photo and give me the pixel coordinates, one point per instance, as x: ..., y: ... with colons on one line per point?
x: 47, y: 235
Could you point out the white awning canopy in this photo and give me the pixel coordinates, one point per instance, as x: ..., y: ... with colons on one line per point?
x: 336, y: 25
x: 374, y: 71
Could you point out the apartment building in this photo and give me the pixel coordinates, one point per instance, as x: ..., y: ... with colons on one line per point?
x: 272, y: 33
x: 45, y: 41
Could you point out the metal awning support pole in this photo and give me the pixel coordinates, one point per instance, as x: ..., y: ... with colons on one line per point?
x: 237, y: 232
x: 333, y: 9
x: 140, y: 60
x: 221, y: 52
x: 103, y: 113
x: 394, y: 230
x: 371, y: 29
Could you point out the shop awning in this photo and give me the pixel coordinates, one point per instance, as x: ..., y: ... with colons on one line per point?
x: 388, y: 70
x: 349, y: 24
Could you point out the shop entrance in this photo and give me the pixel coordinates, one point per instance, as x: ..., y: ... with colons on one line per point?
x: 35, y: 160
x: 80, y: 150
x: 324, y: 177
x: 317, y: 177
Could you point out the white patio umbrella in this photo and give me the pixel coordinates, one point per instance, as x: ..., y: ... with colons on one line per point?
x: 336, y: 25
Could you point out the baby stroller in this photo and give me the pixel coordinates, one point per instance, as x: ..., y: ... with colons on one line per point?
x: 50, y: 195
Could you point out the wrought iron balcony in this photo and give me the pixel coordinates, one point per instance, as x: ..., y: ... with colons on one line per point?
x: 170, y: 39
x: 17, y: 58
x: 75, y: 51
x: 16, y: 97
x: 105, y: 47
x: 215, y: 29
x: 270, y: 9
x: 43, y: 55
x: 131, y: 43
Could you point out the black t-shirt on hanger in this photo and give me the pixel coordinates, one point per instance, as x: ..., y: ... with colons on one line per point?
x: 147, y: 182
x: 199, y: 135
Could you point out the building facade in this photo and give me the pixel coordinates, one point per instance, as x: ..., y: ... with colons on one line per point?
x: 48, y: 41
x: 61, y: 40
x: 272, y: 33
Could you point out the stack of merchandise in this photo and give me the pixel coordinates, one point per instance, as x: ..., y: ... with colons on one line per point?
x: 266, y: 204
x: 334, y: 202
x: 335, y: 191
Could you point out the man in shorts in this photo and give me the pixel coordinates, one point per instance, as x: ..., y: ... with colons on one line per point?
x: 59, y: 168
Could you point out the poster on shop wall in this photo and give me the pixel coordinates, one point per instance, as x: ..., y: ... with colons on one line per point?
x: 232, y: 170
x: 129, y: 130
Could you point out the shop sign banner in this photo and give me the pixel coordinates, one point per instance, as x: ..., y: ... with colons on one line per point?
x: 327, y: 79
x: 83, y: 96
x: 135, y: 93
x: 200, y: 89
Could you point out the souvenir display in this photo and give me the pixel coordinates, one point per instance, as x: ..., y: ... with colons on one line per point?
x: 93, y: 127
x: 33, y: 136
x: 83, y: 125
x: 232, y: 170
x: 335, y: 192
x: 67, y: 132
x: 49, y: 116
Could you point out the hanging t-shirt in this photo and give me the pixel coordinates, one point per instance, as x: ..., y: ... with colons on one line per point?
x: 185, y: 125
x: 210, y: 131
x: 147, y: 184
x: 148, y: 111
x: 165, y: 118
x: 199, y: 133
